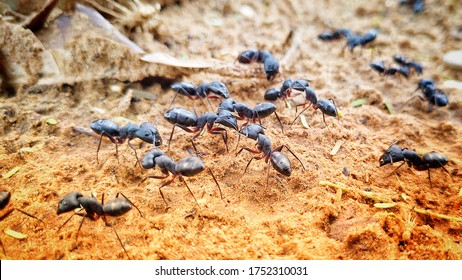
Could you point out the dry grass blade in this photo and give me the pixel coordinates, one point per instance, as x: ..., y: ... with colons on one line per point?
x: 336, y: 148
x: 15, y: 234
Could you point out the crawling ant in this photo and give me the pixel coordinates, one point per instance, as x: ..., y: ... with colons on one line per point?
x: 425, y: 162
x: 270, y: 63
x: 95, y: 209
x: 433, y: 95
x: 417, y: 5
x: 288, y: 86
x: 390, y: 71
x: 190, y: 122
x: 353, y: 40
x: 5, y: 197
x: 244, y: 112
x: 215, y: 89
x: 145, y: 132
x: 403, y: 61
x: 334, y: 35
x: 186, y: 167
x: 278, y: 160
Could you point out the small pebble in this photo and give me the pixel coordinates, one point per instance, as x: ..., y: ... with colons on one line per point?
x: 453, y: 59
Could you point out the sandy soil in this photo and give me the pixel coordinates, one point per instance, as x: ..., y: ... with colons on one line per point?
x: 296, y: 217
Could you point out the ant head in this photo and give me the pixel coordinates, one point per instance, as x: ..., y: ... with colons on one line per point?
x: 271, y: 66
x: 378, y: 66
x: 149, y: 159
x: 149, y: 133
x: 69, y: 202
x: 393, y: 154
x: 399, y: 58
x: 227, y: 119
x: 299, y: 85
x: 272, y: 94
x: 423, y: 83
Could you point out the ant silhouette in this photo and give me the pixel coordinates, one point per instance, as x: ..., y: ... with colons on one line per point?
x: 187, y: 167
x: 95, y: 209
x: 425, y: 162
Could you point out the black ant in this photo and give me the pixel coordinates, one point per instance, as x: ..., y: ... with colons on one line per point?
x: 187, y: 167
x: 190, y: 122
x: 403, y: 61
x: 146, y: 132
x: 244, y: 112
x: 5, y: 197
x: 429, y: 160
x: 278, y: 160
x: 353, y: 40
x: 417, y: 5
x: 270, y: 63
x: 215, y: 89
x: 95, y: 209
x: 432, y: 94
x: 390, y: 71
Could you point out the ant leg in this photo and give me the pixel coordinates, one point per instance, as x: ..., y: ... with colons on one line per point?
x: 6, y: 214
x: 216, y: 182
x: 287, y: 147
x: 324, y: 119
x: 113, y: 140
x: 164, y: 185
x: 249, y: 150
x: 429, y: 178
x: 224, y: 135
x: 30, y: 215
x: 282, y: 127
x: 80, y: 226
x: 267, y: 174
x: 336, y: 111
x: 304, y: 109
x: 118, y: 238
x: 395, y: 169
x: 68, y: 219
x: 170, y: 139
x: 153, y: 177
x: 173, y: 99
x: 248, y: 164
x: 141, y: 214
x: 136, y: 154
x: 3, y: 247
x: 182, y: 180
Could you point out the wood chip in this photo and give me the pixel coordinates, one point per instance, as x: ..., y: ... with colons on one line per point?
x: 337, y: 146
x: 15, y: 234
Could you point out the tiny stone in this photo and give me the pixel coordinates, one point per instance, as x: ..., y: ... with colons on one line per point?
x: 346, y: 172
x: 453, y: 59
